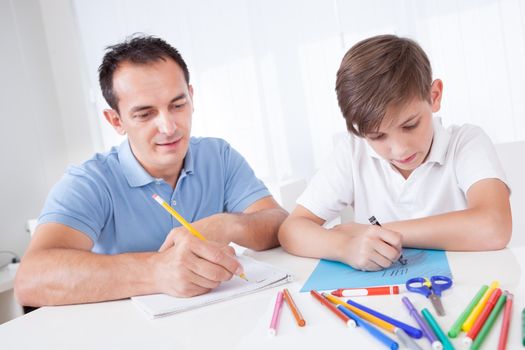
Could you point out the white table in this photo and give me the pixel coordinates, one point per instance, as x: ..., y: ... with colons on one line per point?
x: 9, y: 309
x: 242, y: 323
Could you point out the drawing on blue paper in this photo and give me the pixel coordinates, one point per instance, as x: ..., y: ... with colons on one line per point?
x: 330, y: 275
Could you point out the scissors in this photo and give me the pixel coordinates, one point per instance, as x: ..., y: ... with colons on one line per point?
x: 431, y: 289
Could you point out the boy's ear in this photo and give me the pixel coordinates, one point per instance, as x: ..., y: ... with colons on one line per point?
x: 113, y: 118
x: 436, y: 92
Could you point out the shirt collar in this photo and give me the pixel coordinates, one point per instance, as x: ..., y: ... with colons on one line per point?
x: 438, y: 150
x: 136, y: 175
x: 189, y: 164
x: 134, y: 172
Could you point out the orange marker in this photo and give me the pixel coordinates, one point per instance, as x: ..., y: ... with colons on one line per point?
x: 295, y: 311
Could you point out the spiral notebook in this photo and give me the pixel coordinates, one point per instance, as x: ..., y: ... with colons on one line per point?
x: 260, y: 276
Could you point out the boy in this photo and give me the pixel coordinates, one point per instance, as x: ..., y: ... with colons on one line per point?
x: 428, y: 186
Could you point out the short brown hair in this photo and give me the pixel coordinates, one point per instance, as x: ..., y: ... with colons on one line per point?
x: 379, y: 72
x: 139, y: 48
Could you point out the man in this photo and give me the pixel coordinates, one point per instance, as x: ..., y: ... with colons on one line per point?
x: 101, y: 236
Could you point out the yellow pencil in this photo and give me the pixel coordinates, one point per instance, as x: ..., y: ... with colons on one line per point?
x: 183, y: 222
x: 365, y: 315
x: 469, y: 322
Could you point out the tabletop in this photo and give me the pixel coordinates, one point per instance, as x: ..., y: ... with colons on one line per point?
x: 243, y: 323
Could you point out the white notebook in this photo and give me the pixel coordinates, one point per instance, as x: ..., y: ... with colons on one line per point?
x: 260, y: 276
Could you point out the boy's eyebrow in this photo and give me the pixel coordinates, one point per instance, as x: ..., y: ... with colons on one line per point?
x: 411, y: 118
x: 141, y: 108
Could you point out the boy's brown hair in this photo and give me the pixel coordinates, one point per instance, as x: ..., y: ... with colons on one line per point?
x: 377, y: 73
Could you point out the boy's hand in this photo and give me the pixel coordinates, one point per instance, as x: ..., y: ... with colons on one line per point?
x: 369, y: 247
x: 192, y: 267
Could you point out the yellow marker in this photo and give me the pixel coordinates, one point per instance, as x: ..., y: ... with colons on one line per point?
x: 183, y: 222
x: 469, y: 322
x: 365, y: 315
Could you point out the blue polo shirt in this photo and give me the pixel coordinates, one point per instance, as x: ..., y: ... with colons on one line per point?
x: 109, y: 197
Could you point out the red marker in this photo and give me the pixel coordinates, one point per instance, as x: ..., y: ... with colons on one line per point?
x: 480, y: 321
x: 358, y: 292
x: 502, y: 344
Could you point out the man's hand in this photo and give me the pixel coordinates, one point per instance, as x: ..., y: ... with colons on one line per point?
x: 369, y: 247
x: 215, y: 228
x: 192, y: 267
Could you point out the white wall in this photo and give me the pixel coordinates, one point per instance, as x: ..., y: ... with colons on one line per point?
x: 264, y: 71
x: 35, y: 143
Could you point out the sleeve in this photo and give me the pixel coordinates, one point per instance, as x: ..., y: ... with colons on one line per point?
x: 242, y: 188
x: 332, y: 187
x: 476, y: 158
x: 77, y: 201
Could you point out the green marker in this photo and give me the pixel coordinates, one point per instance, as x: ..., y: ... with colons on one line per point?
x: 456, y: 327
x: 447, y: 345
x: 523, y: 327
x: 489, y: 322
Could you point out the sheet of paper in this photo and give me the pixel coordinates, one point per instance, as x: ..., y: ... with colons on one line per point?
x: 260, y: 276
x: 330, y: 275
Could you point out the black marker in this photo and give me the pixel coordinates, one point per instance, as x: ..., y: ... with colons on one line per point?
x: 374, y: 221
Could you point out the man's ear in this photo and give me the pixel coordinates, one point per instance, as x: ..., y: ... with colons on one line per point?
x: 436, y: 93
x: 190, y: 90
x: 113, y: 118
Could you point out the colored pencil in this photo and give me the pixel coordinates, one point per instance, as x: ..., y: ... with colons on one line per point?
x: 295, y: 310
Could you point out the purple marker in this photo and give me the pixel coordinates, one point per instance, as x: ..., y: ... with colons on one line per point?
x: 427, y: 332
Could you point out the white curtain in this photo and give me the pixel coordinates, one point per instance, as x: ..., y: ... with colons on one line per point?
x: 264, y: 71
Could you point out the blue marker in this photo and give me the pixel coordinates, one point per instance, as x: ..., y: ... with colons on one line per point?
x: 376, y: 333
x: 411, y: 331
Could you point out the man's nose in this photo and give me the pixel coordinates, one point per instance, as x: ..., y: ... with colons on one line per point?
x: 166, y: 123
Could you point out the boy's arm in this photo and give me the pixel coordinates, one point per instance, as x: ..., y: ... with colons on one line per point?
x: 486, y: 224
x: 255, y: 228
x: 365, y: 247
x: 59, y: 268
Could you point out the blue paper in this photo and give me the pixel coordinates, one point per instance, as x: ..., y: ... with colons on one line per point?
x: 330, y: 275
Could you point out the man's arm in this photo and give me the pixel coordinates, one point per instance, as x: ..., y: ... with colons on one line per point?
x: 256, y: 228
x: 58, y: 268
x: 486, y: 224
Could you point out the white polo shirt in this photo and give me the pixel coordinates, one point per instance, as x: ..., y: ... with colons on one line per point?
x: 356, y: 175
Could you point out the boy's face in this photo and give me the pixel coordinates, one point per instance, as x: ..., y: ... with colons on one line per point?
x: 155, y: 110
x: 405, y: 135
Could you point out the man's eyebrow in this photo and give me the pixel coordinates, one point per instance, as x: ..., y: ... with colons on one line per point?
x: 178, y: 97
x: 141, y: 108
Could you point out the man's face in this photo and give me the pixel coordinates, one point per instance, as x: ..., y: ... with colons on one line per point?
x: 405, y: 135
x: 155, y: 108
